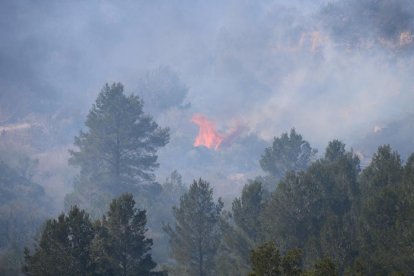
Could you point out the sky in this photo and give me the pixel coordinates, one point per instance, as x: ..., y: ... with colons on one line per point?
x: 330, y: 69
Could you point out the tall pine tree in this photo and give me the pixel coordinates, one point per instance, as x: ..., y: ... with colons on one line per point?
x: 117, y: 152
x: 121, y: 247
x: 64, y: 247
x: 289, y: 152
x: 195, y: 237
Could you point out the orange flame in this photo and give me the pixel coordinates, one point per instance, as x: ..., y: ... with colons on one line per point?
x: 207, y: 134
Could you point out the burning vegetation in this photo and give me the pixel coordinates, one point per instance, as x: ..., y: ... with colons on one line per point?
x: 207, y: 134
x: 209, y: 137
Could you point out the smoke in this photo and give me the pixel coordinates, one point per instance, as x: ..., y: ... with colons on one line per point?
x: 331, y: 69
x: 366, y: 23
x: 162, y: 90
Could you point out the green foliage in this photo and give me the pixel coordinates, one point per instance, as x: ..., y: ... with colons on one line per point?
x: 246, y: 209
x: 292, y: 262
x: 241, y: 230
x: 195, y: 236
x: 120, y: 245
x: 385, y: 170
x: 17, y: 206
x: 11, y: 260
x: 117, y: 152
x: 289, y: 152
x: 64, y: 246
x: 324, y: 267
x: 266, y: 260
x: 312, y: 210
x: 234, y: 251
x: 160, y: 213
x: 73, y: 245
x: 342, y: 222
x: 386, y: 214
x: 335, y: 150
x: 356, y: 269
x: 23, y: 207
x: 332, y: 210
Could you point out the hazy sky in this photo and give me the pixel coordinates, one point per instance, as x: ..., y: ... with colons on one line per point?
x: 332, y: 69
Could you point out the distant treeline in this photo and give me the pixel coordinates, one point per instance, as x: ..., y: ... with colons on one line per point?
x: 306, y: 216
x: 329, y: 219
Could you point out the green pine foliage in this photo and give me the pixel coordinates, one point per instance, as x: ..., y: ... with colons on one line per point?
x: 327, y: 217
x: 195, y: 235
x: 241, y: 230
x: 289, y: 152
x: 246, y: 208
x: 64, y: 246
x: 312, y: 210
x: 266, y: 260
x: 74, y: 245
x: 121, y: 245
x: 386, y: 228
x: 23, y: 208
x: 117, y: 151
x: 324, y: 267
x: 362, y: 221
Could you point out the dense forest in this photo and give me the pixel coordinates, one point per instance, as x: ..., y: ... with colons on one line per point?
x: 222, y: 137
x: 306, y: 216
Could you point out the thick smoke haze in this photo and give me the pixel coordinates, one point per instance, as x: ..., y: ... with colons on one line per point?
x: 331, y: 69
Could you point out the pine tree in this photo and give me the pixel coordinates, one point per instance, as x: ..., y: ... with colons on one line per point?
x: 289, y: 152
x: 266, y: 260
x: 247, y: 209
x: 386, y: 209
x: 115, y: 245
x: 291, y: 263
x: 121, y: 247
x: 312, y: 209
x: 241, y: 230
x: 64, y: 246
x: 195, y: 237
x: 324, y: 267
x: 117, y: 152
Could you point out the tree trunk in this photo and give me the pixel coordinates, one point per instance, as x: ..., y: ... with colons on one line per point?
x: 200, y: 258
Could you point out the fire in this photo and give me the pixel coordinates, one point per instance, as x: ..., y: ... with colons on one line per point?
x: 207, y: 134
